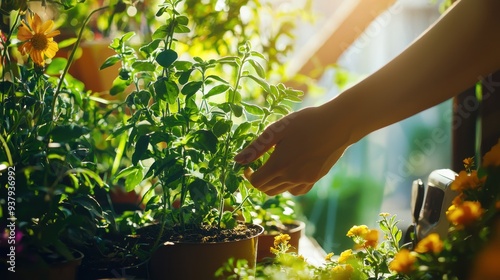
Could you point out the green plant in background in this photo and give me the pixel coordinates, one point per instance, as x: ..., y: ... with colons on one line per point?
x: 189, y: 117
x: 274, y: 213
x: 48, y: 176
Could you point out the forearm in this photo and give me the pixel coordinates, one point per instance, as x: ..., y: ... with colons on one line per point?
x: 451, y: 56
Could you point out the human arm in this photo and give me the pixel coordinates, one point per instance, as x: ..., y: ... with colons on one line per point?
x: 459, y: 49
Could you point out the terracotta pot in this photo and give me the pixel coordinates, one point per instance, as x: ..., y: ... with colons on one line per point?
x: 181, y: 261
x: 266, y: 240
x: 63, y: 270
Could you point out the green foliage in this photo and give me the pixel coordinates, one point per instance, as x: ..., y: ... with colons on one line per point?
x: 189, y: 117
x: 48, y: 173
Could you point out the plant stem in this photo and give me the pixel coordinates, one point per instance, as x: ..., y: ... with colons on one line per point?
x: 228, y: 141
x: 72, y: 56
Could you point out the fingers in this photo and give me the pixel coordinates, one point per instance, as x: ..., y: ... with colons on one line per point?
x: 270, y: 137
x: 275, y: 185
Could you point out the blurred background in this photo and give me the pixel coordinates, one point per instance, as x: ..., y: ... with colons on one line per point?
x: 375, y: 174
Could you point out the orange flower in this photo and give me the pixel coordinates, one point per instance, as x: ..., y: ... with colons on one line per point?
x: 431, y: 243
x: 467, y: 181
x: 403, y: 261
x: 37, y: 39
x: 492, y: 158
x: 465, y: 214
x: 468, y: 163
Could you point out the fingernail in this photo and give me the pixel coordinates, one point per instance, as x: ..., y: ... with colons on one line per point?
x: 240, y: 158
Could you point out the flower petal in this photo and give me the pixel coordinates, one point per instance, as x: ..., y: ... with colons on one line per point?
x: 51, y: 50
x: 37, y: 57
x: 24, y: 33
x: 47, y: 26
x: 36, y: 25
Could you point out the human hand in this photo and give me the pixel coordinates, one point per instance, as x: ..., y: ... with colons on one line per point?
x: 307, y: 143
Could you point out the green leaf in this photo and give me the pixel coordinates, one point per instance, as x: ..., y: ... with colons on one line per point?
x: 66, y: 43
x: 166, y: 90
x: 218, y: 89
x: 118, y: 86
x: 217, y: 78
x: 242, y: 128
x: 191, y: 88
x: 237, y: 109
x: 233, y: 96
x: 56, y: 66
x: 151, y: 47
x: 227, y: 220
x: 133, y: 177
x: 263, y: 83
x: 140, y: 148
x: 166, y: 58
x: 253, y: 109
x: 143, y: 65
x: 110, y: 61
x: 258, y: 68
x: 202, y: 193
x: 67, y: 132
x: 221, y: 127
x: 184, y: 77
x: 204, y: 140
x: 127, y: 36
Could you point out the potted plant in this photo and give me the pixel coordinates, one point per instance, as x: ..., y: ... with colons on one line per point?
x: 48, y: 178
x: 189, y: 117
x: 277, y: 214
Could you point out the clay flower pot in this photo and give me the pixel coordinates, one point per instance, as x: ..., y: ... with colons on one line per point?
x: 183, y: 260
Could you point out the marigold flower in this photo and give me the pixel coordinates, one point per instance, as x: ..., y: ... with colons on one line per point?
x: 371, y: 238
x: 281, y: 239
x: 466, y: 181
x: 457, y: 200
x: 37, y: 39
x: 357, y: 231
x: 431, y: 243
x: 492, y: 157
x: 403, y: 261
x: 345, y: 256
x: 465, y: 214
x: 342, y: 271
x: 468, y: 163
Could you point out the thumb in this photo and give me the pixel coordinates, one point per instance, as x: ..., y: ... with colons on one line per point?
x: 258, y: 147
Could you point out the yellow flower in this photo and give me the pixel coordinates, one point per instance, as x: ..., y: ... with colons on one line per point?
x: 403, y: 261
x: 492, y: 158
x: 281, y: 239
x: 431, y: 243
x: 357, y: 231
x: 464, y: 214
x: 467, y: 181
x: 37, y: 39
x: 329, y: 256
x: 384, y: 215
x: 342, y: 272
x: 345, y: 256
x: 371, y: 238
